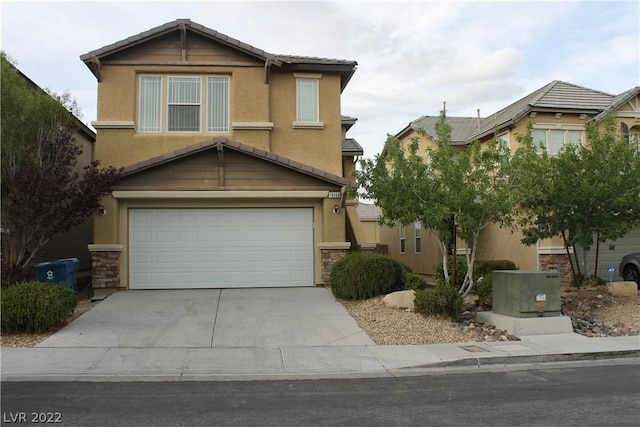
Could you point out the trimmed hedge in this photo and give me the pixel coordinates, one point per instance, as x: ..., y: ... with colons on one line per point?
x: 363, y: 275
x: 414, y: 282
x: 35, y: 307
x: 442, y: 301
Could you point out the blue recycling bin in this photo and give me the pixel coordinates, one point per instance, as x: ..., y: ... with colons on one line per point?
x: 63, y: 272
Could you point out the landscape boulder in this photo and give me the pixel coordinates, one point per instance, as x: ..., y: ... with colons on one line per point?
x: 401, y: 300
x: 622, y: 289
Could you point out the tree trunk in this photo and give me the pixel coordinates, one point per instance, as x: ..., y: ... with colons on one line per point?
x: 595, y: 268
x: 566, y: 247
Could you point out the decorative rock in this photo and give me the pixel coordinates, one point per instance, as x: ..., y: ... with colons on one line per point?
x: 622, y: 289
x: 403, y: 300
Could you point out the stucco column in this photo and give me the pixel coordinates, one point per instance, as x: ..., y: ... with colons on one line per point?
x: 332, y: 252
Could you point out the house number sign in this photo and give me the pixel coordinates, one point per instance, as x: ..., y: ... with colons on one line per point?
x: 335, y: 195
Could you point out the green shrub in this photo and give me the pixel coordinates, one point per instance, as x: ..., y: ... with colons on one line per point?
x: 484, y: 284
x: 592, y: 282
x: 461, y: 271
x: 414, y: 282
x: 483, y: 267
x: 35, y: 307
x: 442, y: 300
x: 484, y: 291
x: 363, y: 275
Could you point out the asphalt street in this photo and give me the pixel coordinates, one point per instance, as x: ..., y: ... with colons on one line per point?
x: 600, y: 393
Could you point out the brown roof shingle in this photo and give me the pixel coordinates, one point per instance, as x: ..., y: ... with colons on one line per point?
x: 243, y: 148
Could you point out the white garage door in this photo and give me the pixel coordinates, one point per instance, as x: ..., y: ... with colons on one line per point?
x: 220, y: 248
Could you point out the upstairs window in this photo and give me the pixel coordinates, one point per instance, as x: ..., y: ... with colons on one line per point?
x: 403, y: 239
x: 555, y: 139
x: 183, y: 104
x: 149, y: 113
x: 218, y: 104
x: 418, y: 236
x: 307, y: 99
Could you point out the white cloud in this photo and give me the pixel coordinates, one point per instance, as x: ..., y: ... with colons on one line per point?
x: 412, y: 55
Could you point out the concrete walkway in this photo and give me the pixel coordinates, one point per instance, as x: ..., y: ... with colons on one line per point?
x: 262, y: 334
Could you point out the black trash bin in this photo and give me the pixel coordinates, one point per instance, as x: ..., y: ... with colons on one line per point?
x: 63, y: 272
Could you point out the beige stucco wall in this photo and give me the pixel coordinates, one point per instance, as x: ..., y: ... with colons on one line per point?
x: 423, y: 262
x: 372, y: 230
x: 499, y: 243
x: 322, y: 147
x: 252, y: 101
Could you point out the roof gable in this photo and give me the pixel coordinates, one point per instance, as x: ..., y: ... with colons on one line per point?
x: 219, y: 145
x: 182, y: 27
x: 556, y: 96
x: 618, y: 102
x: 188, y: 37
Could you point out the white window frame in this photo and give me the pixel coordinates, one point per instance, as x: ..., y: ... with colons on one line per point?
x: 550, y: 130
x: 197, y: 103
x: 205, y: 104
x: 417, y: 234
x: 403, y: 239
x: 304, y: 119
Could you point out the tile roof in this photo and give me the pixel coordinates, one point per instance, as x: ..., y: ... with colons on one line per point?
x: 243, y: 148
x: 345, y: 67
x: 618, y: 102
x: 556, y: 96
x: 350, y: 147
x: 461, y: 127
x: 367, y: 212
x: 348, y: 121
x: 170, y: 27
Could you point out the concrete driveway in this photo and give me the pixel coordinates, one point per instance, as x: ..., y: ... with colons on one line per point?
x: 214, y: 318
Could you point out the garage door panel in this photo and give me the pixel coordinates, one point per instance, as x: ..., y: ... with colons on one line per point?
x: 209, y: 248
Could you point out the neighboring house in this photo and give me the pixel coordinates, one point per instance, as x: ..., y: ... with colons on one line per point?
x: 235, y: 163
x: 72, y: 244
x: 558, y: 112
x: 369, y: 216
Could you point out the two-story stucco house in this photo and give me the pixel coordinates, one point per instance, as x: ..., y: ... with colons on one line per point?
x: 235, y: 163
x: 558, y: 112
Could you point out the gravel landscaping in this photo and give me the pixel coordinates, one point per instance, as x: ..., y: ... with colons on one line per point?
x: 594, y: 313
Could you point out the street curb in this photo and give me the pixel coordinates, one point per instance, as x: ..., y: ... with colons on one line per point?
x: 538, y: 358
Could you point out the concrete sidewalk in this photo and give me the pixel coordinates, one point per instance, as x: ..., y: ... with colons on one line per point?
x: 255, y: 363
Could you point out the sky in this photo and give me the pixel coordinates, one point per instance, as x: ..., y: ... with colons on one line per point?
x: 412, y: 56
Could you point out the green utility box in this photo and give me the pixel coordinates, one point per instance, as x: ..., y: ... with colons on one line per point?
x: 519, y: 293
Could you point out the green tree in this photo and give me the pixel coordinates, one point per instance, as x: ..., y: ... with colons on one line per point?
x: 469, y: 186
x: 585, y: 194
x: 43, y: 192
